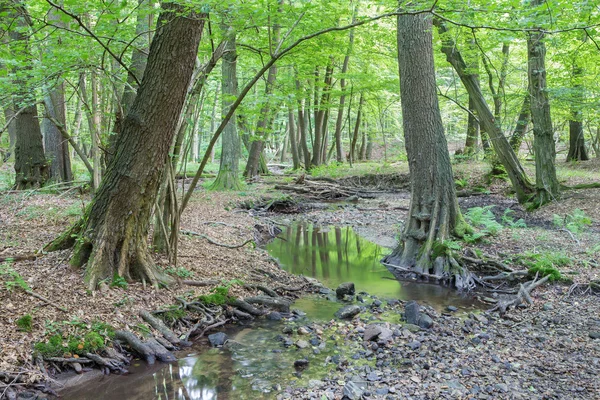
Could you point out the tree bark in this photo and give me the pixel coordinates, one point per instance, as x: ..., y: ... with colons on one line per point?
x: 547, y: 186
x: 520, y: 182
x: 521, y: 126
x: 31, y: 168
x: 57, y: 147
x: 434, y: 215
x: 9, y: 112
x: 356, y: 130
x: 139, y: 58
x: 228, y: 177
x: 577, y: 150
x: 293, y: 139
x: 302, y: 128
x: 112, y: 235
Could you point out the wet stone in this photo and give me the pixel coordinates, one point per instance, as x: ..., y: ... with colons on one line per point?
x: 412, y: 312
x: 217, y: 339
x: 345, y: 289
x: 594, y: 335
x: 301, y: 364
x: 348, y: 312
x: 452, y: 308
x: 274, y: 316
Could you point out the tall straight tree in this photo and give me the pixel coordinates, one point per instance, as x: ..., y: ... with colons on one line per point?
x: 112, y: 235
x: 228, y: 177
x: 55, y: 145
x: 546, y: 184
x: 577, y: 150
x: 434, y: 215
x: 31, y: 167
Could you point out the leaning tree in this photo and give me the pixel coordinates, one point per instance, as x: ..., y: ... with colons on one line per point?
x: 111, y: 237
x: 434, y: 215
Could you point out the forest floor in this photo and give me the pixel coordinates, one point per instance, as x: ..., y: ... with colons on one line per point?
x: 545, y: 351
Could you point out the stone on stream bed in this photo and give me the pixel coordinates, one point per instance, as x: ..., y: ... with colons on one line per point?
x: 348, y: 312
x: 345, y: 289
x: 217, y: 339
x: 414, y: 316
x: 377, y: 332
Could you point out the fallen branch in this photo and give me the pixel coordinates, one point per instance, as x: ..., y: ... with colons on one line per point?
x: 80, y: 360
x: 141, y: 348
x: 246, y: 307
x: 201, y: 283
x: 45, y: 300
x: 23, y: 257
x: 212, y: 241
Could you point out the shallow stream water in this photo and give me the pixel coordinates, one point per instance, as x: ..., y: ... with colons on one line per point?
x: 254, y: 365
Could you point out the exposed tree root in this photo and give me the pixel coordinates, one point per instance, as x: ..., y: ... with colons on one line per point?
x: 160, y: 326
x: 522, y: 297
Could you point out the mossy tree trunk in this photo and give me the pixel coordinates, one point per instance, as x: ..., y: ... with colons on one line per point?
x: 547, y: 186
x: 57, y: 147
x: 228, y: 177
x: 434, y: 215
x: 112, y: 236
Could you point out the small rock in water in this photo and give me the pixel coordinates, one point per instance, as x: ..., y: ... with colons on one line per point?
x: 217, y: 339
x: 452, y: 308
x: 346, y: 288
x: 376, y: 303
x: 301, y: 364
x: 274, y: 316
x: 347, y: 312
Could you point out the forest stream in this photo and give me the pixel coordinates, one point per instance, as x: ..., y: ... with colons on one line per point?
x: 257, y: 361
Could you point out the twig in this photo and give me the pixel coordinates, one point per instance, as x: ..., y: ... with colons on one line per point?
x: 570, y: 234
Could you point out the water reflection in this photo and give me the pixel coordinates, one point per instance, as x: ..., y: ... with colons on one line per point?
x: 337, y: 254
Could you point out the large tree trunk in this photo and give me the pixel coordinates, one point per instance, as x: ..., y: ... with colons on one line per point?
x: 57, y: 147
x: 547, y: 186
x: 228, y: 177
x: 434, y: 215
x: 112, y: 235
x: 520, y: 182
x: 577, y: 150
x: 139, y: 58
x: 31, y: 167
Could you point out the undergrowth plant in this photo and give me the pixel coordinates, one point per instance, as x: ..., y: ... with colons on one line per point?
x: 11, y: 278
x: 576, y: 222
x: 74, y: 337
x: 220, y: 294
x: 545, y: 263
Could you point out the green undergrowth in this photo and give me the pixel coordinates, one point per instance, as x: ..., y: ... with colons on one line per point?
x: 74, y: 337
x: 545, y: 263
x: 25, y: 323
x: 485, y: 223
x: 576, y: 222
x: 334, y: 170
x: 220, y: 295
x: 11, y: 279
x: 171, y: 315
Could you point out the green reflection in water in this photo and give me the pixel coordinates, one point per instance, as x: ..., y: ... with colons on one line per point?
x: 334, y: 255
